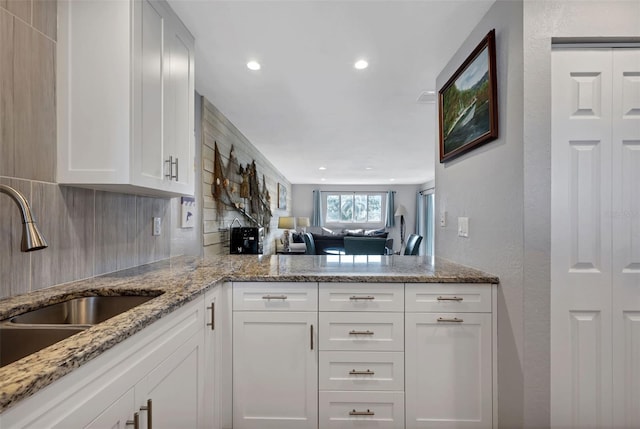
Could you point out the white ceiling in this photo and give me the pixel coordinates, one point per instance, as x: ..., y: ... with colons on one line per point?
x: 308, y: 107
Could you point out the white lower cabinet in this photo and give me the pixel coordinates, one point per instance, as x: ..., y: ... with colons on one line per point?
x: 161, y: 366
x: 449, y: 366
x: 275, y: 360
x: 361, y: 355
x: 342, y: 410
x: 117, y: 414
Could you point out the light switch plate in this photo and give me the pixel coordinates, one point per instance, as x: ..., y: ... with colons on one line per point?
x: 157, y: 225
x: 443, y: 219
x: 463, y: 227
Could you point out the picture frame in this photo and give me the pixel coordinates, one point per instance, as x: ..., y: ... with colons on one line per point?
x: 282, y: 196
x: 468, y: 103
x: 187, y: 212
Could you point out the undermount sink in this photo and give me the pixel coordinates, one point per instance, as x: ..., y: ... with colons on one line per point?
x: 18, y: 342
x: 35, y: 330
x: 88, y: 310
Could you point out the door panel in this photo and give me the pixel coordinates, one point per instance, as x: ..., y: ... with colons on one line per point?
x: 595, y: 250
x: 275, y: 376
x: 581, y: 239
x: 626, y: 238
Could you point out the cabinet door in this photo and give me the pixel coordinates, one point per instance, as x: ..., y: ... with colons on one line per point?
x: 448, y: 370
x: 148, y: 147
x: 116, y: 415
x: 212, y: 364
x: 175, y: 388
x: 178, y: 115
x: 275, y: 378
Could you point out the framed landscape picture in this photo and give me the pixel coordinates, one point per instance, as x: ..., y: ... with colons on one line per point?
x: 468, y: 102
x: 282, y: 196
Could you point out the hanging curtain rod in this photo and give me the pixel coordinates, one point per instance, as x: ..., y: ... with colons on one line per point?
x: 357, y: 192
x: 427, y: 190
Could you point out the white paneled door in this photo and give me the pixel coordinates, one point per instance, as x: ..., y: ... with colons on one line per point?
x: 595, y: 238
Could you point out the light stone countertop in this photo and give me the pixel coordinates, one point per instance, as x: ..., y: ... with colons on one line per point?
x: 183, y: 279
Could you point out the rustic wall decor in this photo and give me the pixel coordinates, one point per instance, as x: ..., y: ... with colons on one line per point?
x: 249, y: 199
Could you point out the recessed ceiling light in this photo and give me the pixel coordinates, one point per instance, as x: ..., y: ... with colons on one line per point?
x: 392, y: 179
x: 253, y: 65
x: 361, y: 64
x: 323, y: 179
x: 368, y: 168
x: 322, y: 168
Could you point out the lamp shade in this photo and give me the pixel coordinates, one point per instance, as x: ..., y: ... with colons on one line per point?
x: 302, y: 222
x: 286, y: 222
x: 401, y: 211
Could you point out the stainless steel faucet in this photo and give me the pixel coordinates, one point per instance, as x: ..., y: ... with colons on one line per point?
x: 32, y: 239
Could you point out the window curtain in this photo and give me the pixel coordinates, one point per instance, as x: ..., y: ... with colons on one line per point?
x: 425, y: 221
x: 391, y: 210
x: 316, y: 216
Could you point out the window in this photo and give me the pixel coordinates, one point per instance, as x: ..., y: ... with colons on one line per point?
x: 350, y: 207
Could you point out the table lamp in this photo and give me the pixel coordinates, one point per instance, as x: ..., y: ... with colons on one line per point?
x: 302, y: 222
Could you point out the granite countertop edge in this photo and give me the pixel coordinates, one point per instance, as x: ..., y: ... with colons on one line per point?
x: 180, y: 280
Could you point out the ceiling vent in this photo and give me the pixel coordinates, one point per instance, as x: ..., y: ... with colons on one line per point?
x: 426, y: 97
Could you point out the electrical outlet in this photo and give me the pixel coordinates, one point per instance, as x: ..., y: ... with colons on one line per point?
x: 463, y: 227
x: 443, y: 219
x: 157, y: 225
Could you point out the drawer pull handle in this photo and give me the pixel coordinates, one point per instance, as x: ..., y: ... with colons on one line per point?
x: 270, y: 297
x: 367, y: 372
x: 361, y: 413
x: 450, y: 298
x: 135, y: 422
x: 367, y: 332
x: 213, y: 316
x: 455, y: 319
x: 149, y: 409
x: 358, y: 298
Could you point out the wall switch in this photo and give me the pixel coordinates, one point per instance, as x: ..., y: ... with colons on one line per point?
x: 443, y: 219
x: 157, y: 225
x: 463, y: 227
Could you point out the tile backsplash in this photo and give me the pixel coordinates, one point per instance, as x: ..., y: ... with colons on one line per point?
x: 89, y: 232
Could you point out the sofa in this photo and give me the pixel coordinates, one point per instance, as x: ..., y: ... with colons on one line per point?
x: 323, y: 242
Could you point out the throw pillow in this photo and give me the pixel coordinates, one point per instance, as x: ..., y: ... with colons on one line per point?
x: 327, y: 231
x: 297, y: 237
x: 354, y: 231
x: 374, y: 231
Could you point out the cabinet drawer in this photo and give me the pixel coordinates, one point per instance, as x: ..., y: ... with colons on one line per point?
x: 361, y: 371
x: 361, y: 410
x: 361, y: 331
x: 361, y: 297
x: 446, y: 297
x: 276, y: 296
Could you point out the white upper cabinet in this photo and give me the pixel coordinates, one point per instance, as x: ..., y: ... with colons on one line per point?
x: 125, y: 97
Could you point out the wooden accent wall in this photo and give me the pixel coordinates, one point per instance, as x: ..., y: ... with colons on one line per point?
x: 217, y: 128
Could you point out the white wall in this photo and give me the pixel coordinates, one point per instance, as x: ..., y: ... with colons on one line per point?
x: 302, y: 203
x: 542, y: 21
x: 486, y: 185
